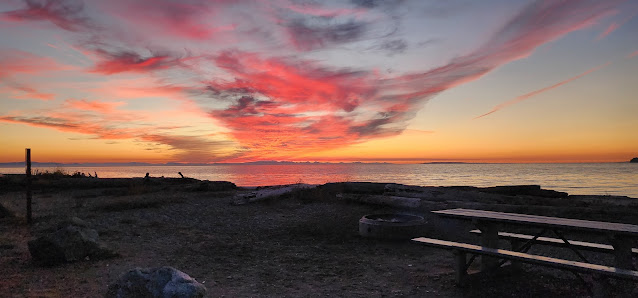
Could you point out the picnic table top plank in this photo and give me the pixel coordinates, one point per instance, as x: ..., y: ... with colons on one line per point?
x: 578, y: 224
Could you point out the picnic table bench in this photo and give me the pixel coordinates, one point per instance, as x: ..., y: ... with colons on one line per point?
x: 621, y: 238
x: 516, y: 239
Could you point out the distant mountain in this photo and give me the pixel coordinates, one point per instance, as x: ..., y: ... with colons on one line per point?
x: 21, y: 164
x: 634, y: 160
x: 444, y: 163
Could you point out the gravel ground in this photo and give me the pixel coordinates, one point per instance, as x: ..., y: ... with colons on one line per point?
x: 291, y: 246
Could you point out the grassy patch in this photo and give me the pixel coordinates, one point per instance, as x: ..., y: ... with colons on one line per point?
x: 132, y: 203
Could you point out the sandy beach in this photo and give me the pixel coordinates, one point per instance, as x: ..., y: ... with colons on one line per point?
x: 304, y: 243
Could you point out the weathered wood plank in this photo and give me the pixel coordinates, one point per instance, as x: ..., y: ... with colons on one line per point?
x: 532, y: 259
x: 543, y: 221
x: 598, y: 247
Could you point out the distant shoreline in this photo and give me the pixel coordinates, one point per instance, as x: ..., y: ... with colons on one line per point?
x: 267, y: 163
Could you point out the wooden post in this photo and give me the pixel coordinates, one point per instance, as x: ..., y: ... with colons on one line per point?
x: 460, y: 267
x: 28, y: 163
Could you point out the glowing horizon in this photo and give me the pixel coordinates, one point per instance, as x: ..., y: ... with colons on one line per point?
x: 203, y: 81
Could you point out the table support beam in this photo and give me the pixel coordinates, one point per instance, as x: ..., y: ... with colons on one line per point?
x: 489, y: 238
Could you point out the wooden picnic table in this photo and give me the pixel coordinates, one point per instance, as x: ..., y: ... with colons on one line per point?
x: 621, y: 236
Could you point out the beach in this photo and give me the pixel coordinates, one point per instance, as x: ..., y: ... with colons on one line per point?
x: 304, y: 243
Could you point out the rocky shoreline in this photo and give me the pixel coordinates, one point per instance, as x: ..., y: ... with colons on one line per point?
x: 294, y: 240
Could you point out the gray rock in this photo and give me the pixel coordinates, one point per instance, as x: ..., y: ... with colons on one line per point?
x: 72, y: 221
x: 71, y: 242
x: 161, y: 282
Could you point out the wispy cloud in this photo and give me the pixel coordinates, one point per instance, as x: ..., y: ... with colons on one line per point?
x: 190, y: 20
x: 611, y: 28
x: 21, y: 91
x: 128, y: 61
x: 539, y: 91
x: 66, y: 14
x: 100, y: 120
x: 96, y: 106
x: 16, y: 61
x: 256, y: 74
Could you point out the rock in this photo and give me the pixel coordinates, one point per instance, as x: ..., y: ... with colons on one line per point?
x: 269, y: 192
x: 391, y: 226
x: 73, y: 221
x: 72, y: 241
x: 164, y: 282
x: 530, y: 190
x: 214, y: 186
x: 364, y: 187
x: 634, y: 160
x: 4, y: 212
x: 422, y: 192
x: 392, y: 201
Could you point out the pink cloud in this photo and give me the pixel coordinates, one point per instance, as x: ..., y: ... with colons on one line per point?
x: 27, y: 92
x: 287, y: 100
x: 112, y: 63
x: 615, y: 25
x: 539, y: 91
x: 634, y: 54
x: 302, y: 83
x: 185, y: 19
x: 16, y: 61
x: 611, y: 28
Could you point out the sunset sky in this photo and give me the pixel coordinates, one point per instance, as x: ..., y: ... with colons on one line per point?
x: 302, y: 80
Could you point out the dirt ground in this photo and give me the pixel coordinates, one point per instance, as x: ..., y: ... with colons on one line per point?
x: 287, y: 247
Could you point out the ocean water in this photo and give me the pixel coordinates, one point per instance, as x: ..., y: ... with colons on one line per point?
x: 576, y: 179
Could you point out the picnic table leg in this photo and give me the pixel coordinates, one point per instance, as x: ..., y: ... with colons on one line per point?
x: 622, y: 251
x: 515, y: 245
x: 461, y: 267
x: 489, y: 238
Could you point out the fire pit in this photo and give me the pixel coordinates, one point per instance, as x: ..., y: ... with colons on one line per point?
x: 391, y: 226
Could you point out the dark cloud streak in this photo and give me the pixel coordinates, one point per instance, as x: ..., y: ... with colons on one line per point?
x: 66, y: 14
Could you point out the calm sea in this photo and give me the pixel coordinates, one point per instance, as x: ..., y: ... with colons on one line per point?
x: 577, y: 179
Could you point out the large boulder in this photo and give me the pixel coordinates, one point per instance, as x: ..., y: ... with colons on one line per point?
x: 161, y: 282
x: 71, y: 241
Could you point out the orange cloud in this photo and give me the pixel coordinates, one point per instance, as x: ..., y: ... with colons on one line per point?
x: 96, y: 106
x: 109, y: 126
